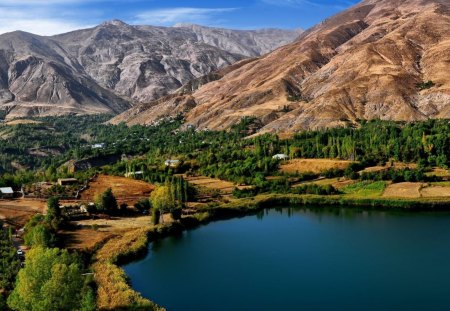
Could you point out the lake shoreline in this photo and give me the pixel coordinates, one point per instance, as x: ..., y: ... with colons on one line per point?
x: 136, y: 248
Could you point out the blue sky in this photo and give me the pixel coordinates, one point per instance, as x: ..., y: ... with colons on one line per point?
x: 47, y: 17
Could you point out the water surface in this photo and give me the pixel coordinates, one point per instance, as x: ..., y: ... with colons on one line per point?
x: 302, y: 259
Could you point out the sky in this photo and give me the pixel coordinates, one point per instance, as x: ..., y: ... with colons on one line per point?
x: 48, y: 17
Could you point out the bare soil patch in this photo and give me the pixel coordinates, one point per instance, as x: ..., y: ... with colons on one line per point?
x: 313, y: 165
x: 126, y: 190
x: 17, y: 212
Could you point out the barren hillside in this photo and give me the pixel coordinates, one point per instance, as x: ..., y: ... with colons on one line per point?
x: 371, y: 61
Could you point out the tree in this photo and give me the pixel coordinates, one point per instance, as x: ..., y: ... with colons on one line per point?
x: 107, y: 201
x: 156, y: 214
x: 39, y: 235
x: 161, y: 199
x: 9, y: 262
x: 51, y: 280
x: 53, y: 212
x: 143, y: 205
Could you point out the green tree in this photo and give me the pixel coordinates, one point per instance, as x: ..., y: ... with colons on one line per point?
x: 39, y: 235
x: 53, y: 212
x: 156, y: 214
x: 107, y: 201
x: 51, y: 280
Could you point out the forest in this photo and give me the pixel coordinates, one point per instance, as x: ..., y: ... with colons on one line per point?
x: 227, y: 154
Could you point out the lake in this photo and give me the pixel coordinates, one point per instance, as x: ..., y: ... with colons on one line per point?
x: 302, y: 259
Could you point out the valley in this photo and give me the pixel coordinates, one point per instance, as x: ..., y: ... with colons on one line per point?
x: 182, y: 166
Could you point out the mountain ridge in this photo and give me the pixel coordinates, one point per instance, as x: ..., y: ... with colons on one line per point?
x: 110, y: 67
x: 368, y: 62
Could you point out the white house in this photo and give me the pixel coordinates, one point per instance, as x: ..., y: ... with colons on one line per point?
x: 98, y: 146
x: 134, y: 174
x: 6, y: 192
x: 172, y: 163
x: 281, y: 156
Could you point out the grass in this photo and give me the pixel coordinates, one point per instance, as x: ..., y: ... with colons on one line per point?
x: 365, y: 189
x: 441, y: 183
x: 113, y: 290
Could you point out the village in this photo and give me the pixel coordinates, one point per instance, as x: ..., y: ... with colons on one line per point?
x: 78, y: 198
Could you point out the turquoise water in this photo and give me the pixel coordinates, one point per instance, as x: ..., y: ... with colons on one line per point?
x: 302, y: 259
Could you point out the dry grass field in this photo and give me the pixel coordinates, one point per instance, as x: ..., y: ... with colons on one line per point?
x: 395, y: 165
x: 17, y: 212
x: 337, y: 183
x: 225, y: 187
x: 313, y: 165
x: 416, y: 190
x: 91, y: 232
x: 435, y: 191
x: 439, y: 172
x: 403, y: 190
x: 126, y: 190
x: 83, y: 238
x: 22, y: 121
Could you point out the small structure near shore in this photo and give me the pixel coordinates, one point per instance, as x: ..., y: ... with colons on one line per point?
x: 281, y: 156
x: 172, y: 163
x: 134, y: 174
x: 6, y: 193
x: 67, y: 181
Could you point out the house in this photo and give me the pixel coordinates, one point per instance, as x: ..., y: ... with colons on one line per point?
x: 67, y: 181
x: 98, y: 146
x: 172, y: 163
x: 6, y: 193
x: 281, y: 156
x: 135, y: 174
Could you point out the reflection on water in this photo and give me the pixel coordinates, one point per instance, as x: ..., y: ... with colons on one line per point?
x: 303, y: 259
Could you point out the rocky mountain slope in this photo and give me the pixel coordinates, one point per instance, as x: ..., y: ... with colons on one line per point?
x: 114, y: 65
x: 371, y: 61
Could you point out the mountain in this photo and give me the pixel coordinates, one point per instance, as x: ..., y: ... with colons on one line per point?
x: 38, y: 77
x: 380, y: 59
x: 111, y: 67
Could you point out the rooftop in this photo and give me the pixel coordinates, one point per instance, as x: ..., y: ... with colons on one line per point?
x: 6, y: 190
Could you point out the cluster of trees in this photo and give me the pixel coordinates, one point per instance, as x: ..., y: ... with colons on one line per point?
x: 170, y: 197
x: 315, y: 189
x: 396, y: 175
x: 52, y: 279
x: 107, y: 202
x: 9, y: 264
x: 425, y: 142
x: 41, y: 230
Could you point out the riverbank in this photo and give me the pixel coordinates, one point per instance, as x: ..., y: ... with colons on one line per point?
x: 114, y: 291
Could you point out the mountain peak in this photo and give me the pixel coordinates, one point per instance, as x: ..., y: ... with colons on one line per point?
x: 114, y: 22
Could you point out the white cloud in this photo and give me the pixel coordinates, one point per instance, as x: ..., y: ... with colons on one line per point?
x: 43, y: 27
x: 172, y: 16
x: 40, y: 22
